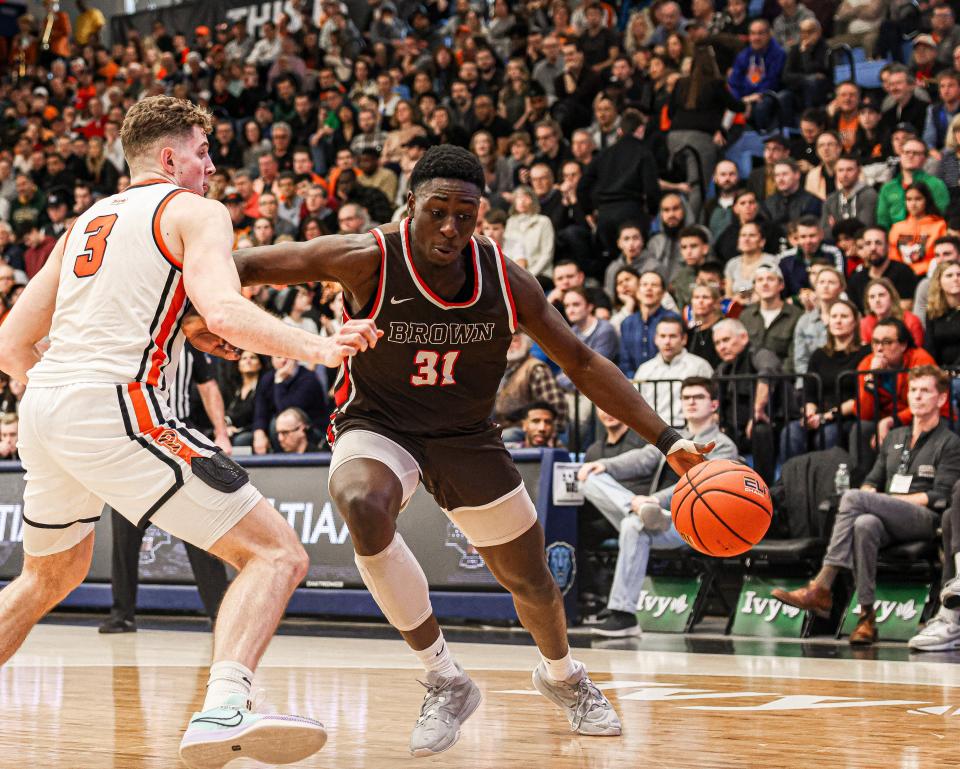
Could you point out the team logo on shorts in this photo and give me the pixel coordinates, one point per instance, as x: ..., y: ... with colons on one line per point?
x: 153, y: 540
x: 754, y: 486
x: 562, y: 561
x: 170, y: 441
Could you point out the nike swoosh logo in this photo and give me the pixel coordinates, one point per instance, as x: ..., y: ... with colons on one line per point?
x: 236, y: 720
x: 441, y: 650
x: 394, y: 300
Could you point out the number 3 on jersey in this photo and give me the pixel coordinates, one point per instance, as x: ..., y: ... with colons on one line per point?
x: 428, y: 375
x: 97, y: 231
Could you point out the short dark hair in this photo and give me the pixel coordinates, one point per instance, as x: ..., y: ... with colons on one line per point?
x: 630, y: 121
x: 695, y: 231
x: 849, y: 228
x: 701, y: 381
x: 809, y: 220
x: 629, y: 225
x: 496, y: 216
x: 538, y: 406
x: 566, y: 262
x: 712, y: 266
x: 671, y: 319
x: 952, y: 240
x: 849, y: 156
x: 447, y: 161
x: 903, y: 334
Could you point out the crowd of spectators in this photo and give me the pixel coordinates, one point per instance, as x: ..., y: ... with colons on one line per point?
x: 607, y: 135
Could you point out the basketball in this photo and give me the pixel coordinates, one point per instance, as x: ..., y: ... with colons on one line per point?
x: 721, y: 508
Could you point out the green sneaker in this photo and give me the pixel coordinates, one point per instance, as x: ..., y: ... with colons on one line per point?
x: 222, y: 734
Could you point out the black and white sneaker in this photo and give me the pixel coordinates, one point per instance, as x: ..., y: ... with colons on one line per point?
x: 619, y: 624
x: 599, y: 618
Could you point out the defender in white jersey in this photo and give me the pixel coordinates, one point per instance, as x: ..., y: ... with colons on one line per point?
x: 96, y: 426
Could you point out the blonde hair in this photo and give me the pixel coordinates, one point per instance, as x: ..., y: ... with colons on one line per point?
x: 160, y: 117
x: 951, y: 139
x: 937, y: 305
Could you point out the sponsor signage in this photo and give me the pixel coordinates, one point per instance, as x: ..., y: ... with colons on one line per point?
x: 566, y: 487
x: 898, y: 607
x: 300, y: 495
x: 666, y: 603
x: 760, y: 614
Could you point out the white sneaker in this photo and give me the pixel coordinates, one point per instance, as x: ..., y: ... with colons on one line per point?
x: 940, y: 634
x: 950, y: 594
x: 585, y: 706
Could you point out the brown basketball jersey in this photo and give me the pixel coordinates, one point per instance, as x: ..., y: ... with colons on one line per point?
x: 436, y: 370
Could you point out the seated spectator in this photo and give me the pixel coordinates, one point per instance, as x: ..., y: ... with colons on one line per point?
x: 746, y: 208
x: 847, y: 234
x: 527, y: 226
x: 789, y: 202
x: 841, y: 354
x: 923, y: 61
x: 9, y: 433
x: 945, y: 249
x: 496, y: 169
x: 936, y: 130
x: 821, y: 180
x: 694, y: 250
x: 788, y: 26
x: 662, y: 252
x: 625, y: 295
x: 718, y: 210
x: 372, y: 174
x: 795, y: 262
x: 293, y: 432
x: 770, y: 321
x: 240, y: 405
x: 353, y: 219
x: 870, y: 138
x: 629, y: 248
x: 757, y: 70
x: 760, y: 181
x: 917, y: 467
x: 538, y: 425
x: 942, y: 631
x: 739, y: 273
x: 857, y: 24
x: 803, y: 148
x: 811, y: 330
x: 287, y: 385
x: 643, y: 520
x: 948, y: 167
x: 942, y: 339
x: 882, y: 301
x: 662, y: 374
x: 746, y: 405
x: 701, y: 315
x: 901, y: 87
x: 875, y: 253
x: 882, y: 401
x: 567, y: 275
x: 852, y: 199
x: 637, y: 331
x: 843, y: 114
x: 912, y: 239
x: 807, y: 74
x: 526, y: 380
x: 891, y: 203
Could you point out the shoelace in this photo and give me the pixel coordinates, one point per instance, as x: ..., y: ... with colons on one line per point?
x: 588, y: 697
x: 433, y: 700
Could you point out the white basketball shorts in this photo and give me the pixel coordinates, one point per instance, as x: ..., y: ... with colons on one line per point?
x: 87, y: 444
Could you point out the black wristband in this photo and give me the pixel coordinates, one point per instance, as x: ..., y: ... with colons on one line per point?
x: 666, y: 440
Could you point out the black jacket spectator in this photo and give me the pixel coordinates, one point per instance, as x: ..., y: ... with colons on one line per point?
x: 301, y: 390
x: 782, y: 209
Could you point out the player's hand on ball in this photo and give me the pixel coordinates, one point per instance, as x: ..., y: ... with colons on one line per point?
x: 353, y: 336
x: 590, y: 468
x: 196, y: 331
x: 685, y: 454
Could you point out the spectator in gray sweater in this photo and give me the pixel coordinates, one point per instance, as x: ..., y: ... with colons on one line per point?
x: 644, y: 521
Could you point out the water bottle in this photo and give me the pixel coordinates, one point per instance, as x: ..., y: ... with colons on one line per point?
x: 842, y: 480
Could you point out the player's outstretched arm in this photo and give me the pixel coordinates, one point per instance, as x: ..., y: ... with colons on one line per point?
x: 348, y: 259
x: 202, y: 228
x: 595, y: 376
x: 29, y: 320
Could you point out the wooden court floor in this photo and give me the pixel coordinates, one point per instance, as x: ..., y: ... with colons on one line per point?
x: 74, y: 699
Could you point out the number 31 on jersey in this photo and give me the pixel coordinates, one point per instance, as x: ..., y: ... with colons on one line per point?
x: 429, y: 374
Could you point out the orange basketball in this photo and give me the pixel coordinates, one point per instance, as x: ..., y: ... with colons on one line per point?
x: 721, y: 508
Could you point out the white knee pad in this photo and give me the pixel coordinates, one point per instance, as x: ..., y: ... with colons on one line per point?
x: 397, y: 584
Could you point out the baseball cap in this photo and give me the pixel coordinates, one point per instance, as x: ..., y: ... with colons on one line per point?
x: 202, y: 30
x: 535, y: 89
x: 233, y: 197
x: 40, y: 91
x: 924, y: 40
x: 870, y: 102
x: 768, y: 267
x: 58, y: 197
x: 776, y: 139
x: 909, y: 128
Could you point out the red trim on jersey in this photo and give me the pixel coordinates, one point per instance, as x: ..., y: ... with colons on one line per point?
x: 506, y: 285
x: 158, y: 234
x: 140, y: 407
x: 408, y: 255
x: 383, y: 276
x: 341, y: 396
x: 158, y: 359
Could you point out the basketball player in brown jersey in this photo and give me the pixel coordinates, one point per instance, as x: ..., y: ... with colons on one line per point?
x: 416, y: 409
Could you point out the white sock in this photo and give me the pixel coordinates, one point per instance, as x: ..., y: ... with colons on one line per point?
x: 956, y: 562
x: 229, y: 683
x: 436, y: 658
x: 562, y: 669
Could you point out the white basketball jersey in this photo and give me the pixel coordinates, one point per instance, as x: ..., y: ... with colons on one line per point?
x: 120, y: 298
